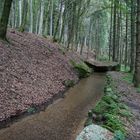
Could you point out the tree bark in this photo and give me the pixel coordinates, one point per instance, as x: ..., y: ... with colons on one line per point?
x: 137, y: 65
x: 5, y: 18
x: 132, y: 36
x: 114, y: 32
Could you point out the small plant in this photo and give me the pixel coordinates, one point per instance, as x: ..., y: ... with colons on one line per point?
x: 69, y: 83
x: 128, y: 78
x: 138, y: 89
x: 31, y: 110
x: 88, y: 122
x: 103, y: 58
x: 119, y: 135
x: 114, y: 122
x: 111, y: 111
x: 124, y: 69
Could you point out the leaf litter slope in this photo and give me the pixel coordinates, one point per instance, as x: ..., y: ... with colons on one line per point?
x: 32, y: 71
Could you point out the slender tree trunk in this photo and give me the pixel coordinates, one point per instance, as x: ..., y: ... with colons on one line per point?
x: 132, y: 36
x: 82, y: 45
x: 110, y: 38
x: 58, y: 20
x: 31, y: 16
x: 114, y: 32
x: 126, y: 40
x: 24, y: 15
x: 37, y: 21
x: 5, y: 18
x: 51, y: 18
x: 20, y: 12
x: 137, y: 65
x: 41, y: 18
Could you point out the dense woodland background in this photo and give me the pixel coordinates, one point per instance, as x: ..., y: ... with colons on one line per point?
x: 111, y: 28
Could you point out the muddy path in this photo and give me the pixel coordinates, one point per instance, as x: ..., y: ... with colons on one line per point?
x: 63, y: 119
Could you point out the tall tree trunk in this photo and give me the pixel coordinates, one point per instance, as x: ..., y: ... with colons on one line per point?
x: 114, y: 31
x: 41, y: 18
x: 59, y: 20
x: 126, y: 41
x: 110, y: 37
x: 132, y: 36
x: 31, y: 16
x: 20, y: 12
x: 24, y: 15
x: 51, y: 18
x: 5, y: 18
x: 137, y: 65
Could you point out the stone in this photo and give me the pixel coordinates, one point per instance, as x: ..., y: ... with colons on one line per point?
x: 95, y: 132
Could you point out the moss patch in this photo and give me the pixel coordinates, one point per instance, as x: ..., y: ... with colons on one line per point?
x: 110, y: 112
x: 82, y: 69
x: 69, y: 83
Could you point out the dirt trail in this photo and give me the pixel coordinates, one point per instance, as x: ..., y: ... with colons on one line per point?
x: 63, y: 119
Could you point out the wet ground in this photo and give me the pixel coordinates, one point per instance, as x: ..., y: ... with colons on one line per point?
x: 62, y: 120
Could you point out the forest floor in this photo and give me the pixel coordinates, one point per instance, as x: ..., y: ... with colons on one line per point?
x: 131, y: 97
x: 33, y: 72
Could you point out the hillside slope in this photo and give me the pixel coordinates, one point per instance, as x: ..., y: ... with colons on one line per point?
x: 32, y: 72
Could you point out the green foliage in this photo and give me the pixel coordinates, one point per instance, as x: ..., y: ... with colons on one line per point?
x: 124, y: 69
x: 31, y: 110
x: 112, y: 110
x: 114, y: 122
x: 21, y: 29
x: 103, y: 58
x: 90, y: 114
x: 82, y: 69
x: 69, y: 83
x: 128, y: 78
x: 88, y: 122
x: 119, y: 135
x: 125, y: 113
x: 138, y: 90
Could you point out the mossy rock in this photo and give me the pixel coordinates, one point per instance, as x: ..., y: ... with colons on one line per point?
x: 69, y: 83
x: 82, y: 69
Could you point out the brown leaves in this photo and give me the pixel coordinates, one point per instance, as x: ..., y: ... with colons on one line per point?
x: 32, y: 70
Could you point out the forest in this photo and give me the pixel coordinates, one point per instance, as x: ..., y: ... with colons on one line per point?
x: 111, y: 27
x: 49, y: 46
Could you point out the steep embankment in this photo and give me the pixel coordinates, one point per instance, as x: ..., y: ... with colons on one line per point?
x: 32, y: 72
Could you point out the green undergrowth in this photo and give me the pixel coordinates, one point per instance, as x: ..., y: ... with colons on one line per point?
x: 69, y: 83
x: 128, y: 78
x: 82, y: 69
x: 124, y: 69
x: 31, y: 110
x: 103, y: 58
x: 110, y: 112
x: 138, y: 90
